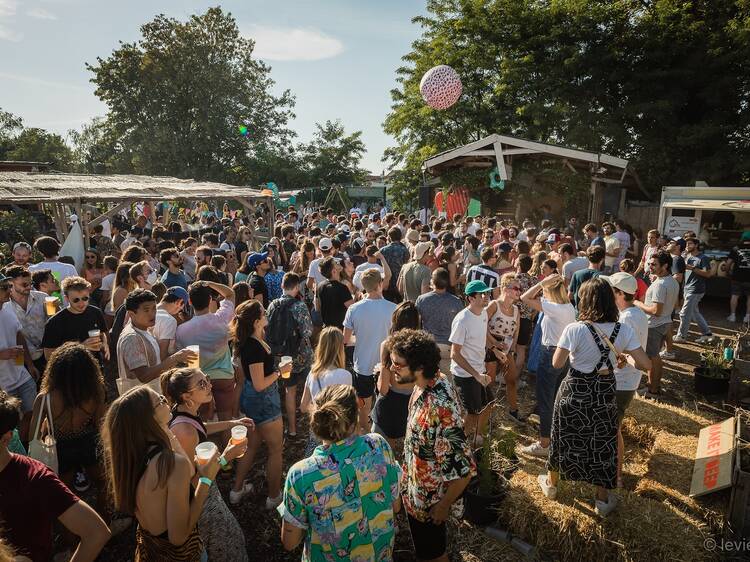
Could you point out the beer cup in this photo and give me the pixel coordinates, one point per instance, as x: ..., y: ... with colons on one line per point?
x: 195, y: 363
x: 239, y: 436
x: 19, y: 355
x: 204, y: 451
x: 285, y: 367
x: 50, y: 305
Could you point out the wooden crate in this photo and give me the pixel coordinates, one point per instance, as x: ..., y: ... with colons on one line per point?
x: 737, y: 522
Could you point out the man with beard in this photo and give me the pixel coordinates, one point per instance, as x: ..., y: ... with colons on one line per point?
x: 174, y: 276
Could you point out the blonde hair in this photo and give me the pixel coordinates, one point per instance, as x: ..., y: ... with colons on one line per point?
x: 507, y: 280
x: 75, y: 284
x: 336, y: 413
x: 556, y: 292
x: 371, y: 279
x: 330, y: 351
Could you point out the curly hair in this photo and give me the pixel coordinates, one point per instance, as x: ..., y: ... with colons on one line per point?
x: 419, y: 350
x: 596, y: 302
x: 73, y: 371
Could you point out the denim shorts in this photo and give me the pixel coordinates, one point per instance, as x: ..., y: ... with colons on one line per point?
x: 262, y: 407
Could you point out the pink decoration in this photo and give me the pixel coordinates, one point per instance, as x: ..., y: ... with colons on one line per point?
x: 440, y: 87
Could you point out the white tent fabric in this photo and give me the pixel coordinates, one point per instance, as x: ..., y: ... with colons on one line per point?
x: 73, y: 245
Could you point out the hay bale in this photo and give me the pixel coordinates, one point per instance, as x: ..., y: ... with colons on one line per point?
x: 569, y: 529
x: 665, y: 417
x: 642, y: 434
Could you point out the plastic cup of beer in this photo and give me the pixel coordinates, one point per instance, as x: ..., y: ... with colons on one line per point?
x: 195, y: 363
x: 204, y: 451
x: 239, y: 436
x: 19, y: 355
x: 285, y: 366
x: 50, y: 305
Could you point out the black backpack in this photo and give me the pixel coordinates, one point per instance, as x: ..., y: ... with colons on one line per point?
x: 282, y: 335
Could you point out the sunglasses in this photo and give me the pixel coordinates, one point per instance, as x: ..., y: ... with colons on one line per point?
x: 79, y: 299
x: 90, y: 257
x: 203, y: 384
x: 162, y: 401
x: 398, y: 366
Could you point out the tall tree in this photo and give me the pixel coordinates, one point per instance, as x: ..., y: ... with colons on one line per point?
x: 37, y: 145
x: 10, y: 126
x: 333, y: 157
x: 178, y: 97
x: 662, y: 82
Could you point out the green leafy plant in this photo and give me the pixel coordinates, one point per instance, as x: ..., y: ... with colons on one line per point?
x: 713, y: 363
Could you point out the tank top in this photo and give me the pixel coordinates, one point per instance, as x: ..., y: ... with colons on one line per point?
x: 503, y: 327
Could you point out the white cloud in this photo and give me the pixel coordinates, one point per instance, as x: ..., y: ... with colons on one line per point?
x: 8, y: 8
x: 33, y: 80
x: 286, y: 44
x: 41, y: 14
x: 9, y: 34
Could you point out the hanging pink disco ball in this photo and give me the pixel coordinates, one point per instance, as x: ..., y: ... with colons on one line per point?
x: 440, y: 87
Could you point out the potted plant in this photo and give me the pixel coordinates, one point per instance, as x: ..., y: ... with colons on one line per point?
x: 487, y: 490
x: 712, y: 375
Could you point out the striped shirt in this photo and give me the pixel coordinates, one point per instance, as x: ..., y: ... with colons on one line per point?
x: 485, y: 273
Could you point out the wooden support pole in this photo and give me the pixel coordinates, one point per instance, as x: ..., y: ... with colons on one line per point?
x: 109, y: 214
x: 83, y: 225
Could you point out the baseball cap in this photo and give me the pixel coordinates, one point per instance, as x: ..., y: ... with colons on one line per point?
x: 343, y: 236
x: 476, y: 286
x: 175, y: 294
x: 325, y: 243
x: 421, y: 249
x: 505, y: 247
x: 255, y: 258
x: 21, y: 245
x: 358, y: 244
x: 374, y: 217
x: 553, y: 238
x: 344, y: 228
x: 412, y: 235
x: 623, y: 281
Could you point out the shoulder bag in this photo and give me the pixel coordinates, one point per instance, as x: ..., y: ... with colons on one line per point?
x: 44, y: 449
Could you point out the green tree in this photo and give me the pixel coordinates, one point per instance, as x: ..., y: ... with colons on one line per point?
x: 37, y: 145
x: 96, y: 149
x: 661, y: 82
x: 178, y: 96
x: 333, y: 157
x: 10, y: 125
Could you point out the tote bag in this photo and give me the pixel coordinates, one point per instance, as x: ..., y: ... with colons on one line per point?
x: 44, y: 449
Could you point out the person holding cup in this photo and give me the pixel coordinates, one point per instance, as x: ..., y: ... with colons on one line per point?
x: 74, y: 322
x: 186, y: 390
x: 153, y: 479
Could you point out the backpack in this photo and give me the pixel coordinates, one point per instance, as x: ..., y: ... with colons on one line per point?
x: 282, y: 335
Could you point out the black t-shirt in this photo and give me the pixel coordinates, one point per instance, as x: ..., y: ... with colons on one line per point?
x: 741, y: 269
x: 254, y: 352
x: 66, y: 326
x: 678, y: 265
x: 358, y: 260
x: 258, y: 284
x: 239, y: 248
x: 332, y: 295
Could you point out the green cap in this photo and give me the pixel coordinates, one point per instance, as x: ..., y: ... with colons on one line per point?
x: 476, y: 286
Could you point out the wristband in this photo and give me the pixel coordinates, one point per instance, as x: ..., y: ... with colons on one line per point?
x: 205, y: 480
x: 223, y: 462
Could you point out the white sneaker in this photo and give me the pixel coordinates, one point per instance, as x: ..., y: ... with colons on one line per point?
x: 273, y: 503
x: 732, y: 318
x: 705, y: 339
x: 534, y: 418
x: 605, y: 508
x: 536, y: 450
x: 678, y: 339
x: 746, y: 319
x: 667, y: 355
x: 236, y: 496
x: 547, y: 489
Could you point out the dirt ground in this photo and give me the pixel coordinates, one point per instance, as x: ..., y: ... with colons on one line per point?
x: 467, y: 543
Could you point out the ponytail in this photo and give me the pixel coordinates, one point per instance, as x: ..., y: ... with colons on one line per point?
x: 175, y: 382
x: 336, y: 413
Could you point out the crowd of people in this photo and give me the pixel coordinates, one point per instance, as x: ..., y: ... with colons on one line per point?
x: 172, y: 355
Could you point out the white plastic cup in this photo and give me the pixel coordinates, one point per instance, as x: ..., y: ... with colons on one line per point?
x: 285, y: 366
x: 195, y: 363
x: 204, y: 451
x: 94, y: 333
x: 50, y: 305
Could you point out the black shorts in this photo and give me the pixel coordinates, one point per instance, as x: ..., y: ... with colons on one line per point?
x: 473, y: 395
x: 295, y: 378
x: 364, y: 385
x: 430, y: 540
x: 525, y: 331
x: 390, y: 412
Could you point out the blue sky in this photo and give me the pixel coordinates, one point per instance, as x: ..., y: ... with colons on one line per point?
x: 337, y: 56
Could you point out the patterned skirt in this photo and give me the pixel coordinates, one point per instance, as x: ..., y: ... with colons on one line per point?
x: 150, y: 548
x: 584, y: 429
x: 218, y: 528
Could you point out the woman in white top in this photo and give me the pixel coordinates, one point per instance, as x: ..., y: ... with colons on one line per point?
x: 583, y: 442
x: 503, y: 323
x: 327, y: 369
x: 557, y: 314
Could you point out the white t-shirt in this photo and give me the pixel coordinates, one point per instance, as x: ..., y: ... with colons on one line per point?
x: 314, y: 271
x: 469, y: 330
x: 60, y: 271
x: 573, y: 265
x: 629, y: 378
x: 108, y: 282
x: 327, y: 378
x: 165, y: 328
x: 357, y: 280
x: 11, y: 375
x: 370, y: 320
x: 556, y: 318
x: 584, y: 353
x: 611, y: 243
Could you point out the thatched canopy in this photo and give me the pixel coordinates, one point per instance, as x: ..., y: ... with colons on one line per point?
x: 32, y: 187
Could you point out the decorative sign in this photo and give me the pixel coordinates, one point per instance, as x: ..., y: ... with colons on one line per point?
x: 676, y: 226
x: 713, y: 459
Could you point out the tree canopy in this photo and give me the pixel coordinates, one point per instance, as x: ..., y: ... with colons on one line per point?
x: 333, y: 157
x: 663, y: 83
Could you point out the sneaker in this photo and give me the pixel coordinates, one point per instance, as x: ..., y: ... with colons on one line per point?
x: 516, y: 417
x: 679, y: 339
x: 457, y: 509
x: 732, y: 318
x: 236, y: 496
x: 536, y: 450
x: 533, y: 418
x: 708, y: 338
x: 81, y: 482
x: 667, y: 355
x: 273, y: 503
x: 548, y: 490
x: 605, y: 508
x: 644, y: 392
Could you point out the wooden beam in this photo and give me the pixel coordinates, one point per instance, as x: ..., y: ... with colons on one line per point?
x: 109, y: 214
x: 500, y: 157
x: 513, y: 151
x: 83, y: 225
x: 480, y: 153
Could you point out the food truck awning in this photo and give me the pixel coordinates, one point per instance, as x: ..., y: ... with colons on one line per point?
x: 709, y: 204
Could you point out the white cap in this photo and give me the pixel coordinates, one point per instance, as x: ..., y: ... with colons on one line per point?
x: 623, y: 281
x: 421, y: 249
x: 325, y: 243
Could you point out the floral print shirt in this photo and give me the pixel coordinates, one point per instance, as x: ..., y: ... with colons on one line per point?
x: 343, y: 496
x: 526, y: 282
x: 303, y: 359
x: 396, y: 255
x: 435, y: 448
